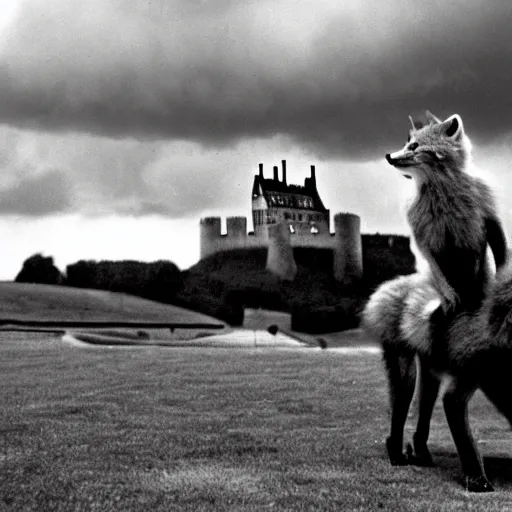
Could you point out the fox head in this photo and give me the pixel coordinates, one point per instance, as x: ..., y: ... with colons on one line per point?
x: 438, y: 147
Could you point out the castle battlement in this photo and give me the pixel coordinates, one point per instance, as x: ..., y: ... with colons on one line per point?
x: 237, y: 227
x: 345, y: 241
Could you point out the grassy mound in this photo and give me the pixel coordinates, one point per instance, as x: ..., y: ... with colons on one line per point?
x: 23, y: 301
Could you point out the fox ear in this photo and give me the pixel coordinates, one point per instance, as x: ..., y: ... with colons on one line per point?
x: 416, y: 125
x: 432, y: 117
x: 453, y: 127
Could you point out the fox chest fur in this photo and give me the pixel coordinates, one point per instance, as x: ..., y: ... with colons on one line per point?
x: 447, y: 219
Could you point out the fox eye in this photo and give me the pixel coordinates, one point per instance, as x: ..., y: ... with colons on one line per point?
x: 413, y: 146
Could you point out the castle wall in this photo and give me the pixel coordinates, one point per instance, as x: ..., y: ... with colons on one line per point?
x: 320, y: 240
x: 345, y: 242
x: 236, y: 237
x: 236, y: 227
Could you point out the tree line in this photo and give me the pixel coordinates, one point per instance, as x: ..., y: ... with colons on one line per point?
x: 160, y: 280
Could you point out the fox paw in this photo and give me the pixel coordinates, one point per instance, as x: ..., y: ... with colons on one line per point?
x: 477, y: 484
x: 421, y: 452
x: 396, y: 457
x: 419, y: 456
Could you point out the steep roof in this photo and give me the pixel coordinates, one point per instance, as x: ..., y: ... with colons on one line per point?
x: 295, y: 193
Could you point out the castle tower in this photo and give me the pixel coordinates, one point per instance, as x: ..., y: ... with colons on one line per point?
x: 209, y: 233
x: 348, y: 253
x: 280, y: 259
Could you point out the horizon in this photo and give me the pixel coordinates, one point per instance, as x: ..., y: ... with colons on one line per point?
x: 123, y: 122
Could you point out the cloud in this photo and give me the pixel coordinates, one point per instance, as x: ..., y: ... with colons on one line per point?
x: 36, y: 196
x: 339, y: 78
x: 147, y: 107
x: 101, y: 176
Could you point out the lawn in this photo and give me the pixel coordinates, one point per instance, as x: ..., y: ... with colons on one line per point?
x: 174, y: 429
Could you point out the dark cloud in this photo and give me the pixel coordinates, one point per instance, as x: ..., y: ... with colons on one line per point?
x: 36, y: 196
x: 341, y: 79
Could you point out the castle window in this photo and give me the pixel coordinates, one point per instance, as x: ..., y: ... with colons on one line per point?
x: 300, y: 216
x: 286, y: 215
x: 271, y: 216
x: 260, y: 217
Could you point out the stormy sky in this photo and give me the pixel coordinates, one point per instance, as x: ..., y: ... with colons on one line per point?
x: 122, y: 119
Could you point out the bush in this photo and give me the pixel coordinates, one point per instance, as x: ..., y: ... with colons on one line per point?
x: 160, y: 280
x: 251, y: 297
x: 231, y: 313
x: 224, y: 308
x: 321, y: 320
x: 39, y: 269
x: 163, y: 281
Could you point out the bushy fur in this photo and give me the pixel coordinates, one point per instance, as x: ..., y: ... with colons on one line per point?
x: 399, y: 311
x: 479, y: 354
x: 453, y: 216
x: 398, y: 315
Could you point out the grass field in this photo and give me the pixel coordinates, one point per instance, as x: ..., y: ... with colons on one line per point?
x: 207, y: 429
x: 49, y: 302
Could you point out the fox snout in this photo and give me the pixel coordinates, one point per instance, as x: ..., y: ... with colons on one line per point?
x: 402, y: 158
x: 399, y: 157
x: 401, y: 161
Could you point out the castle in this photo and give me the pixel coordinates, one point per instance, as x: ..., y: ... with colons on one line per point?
x: 286, y: 217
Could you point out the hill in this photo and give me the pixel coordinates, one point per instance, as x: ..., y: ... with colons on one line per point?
x: 225, y: 282
x: 23, y: 301
x: 240, y: 276
x: 243, y: 270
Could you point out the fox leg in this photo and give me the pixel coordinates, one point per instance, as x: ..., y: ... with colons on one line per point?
x: 401, y: 371
x: 428, y: 391
x: 455, y: 403
x: 440, y: 321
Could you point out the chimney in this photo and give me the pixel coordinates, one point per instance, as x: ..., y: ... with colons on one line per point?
x: 313, y: 176
x: 283, y: 162
x: 276, y: 177
x: 261, y: 170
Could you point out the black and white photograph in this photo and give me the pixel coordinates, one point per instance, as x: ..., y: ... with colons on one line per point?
x: 256, y: 255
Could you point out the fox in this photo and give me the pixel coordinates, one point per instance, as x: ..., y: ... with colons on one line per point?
x: 453, y: 217
x: 478, y: 355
